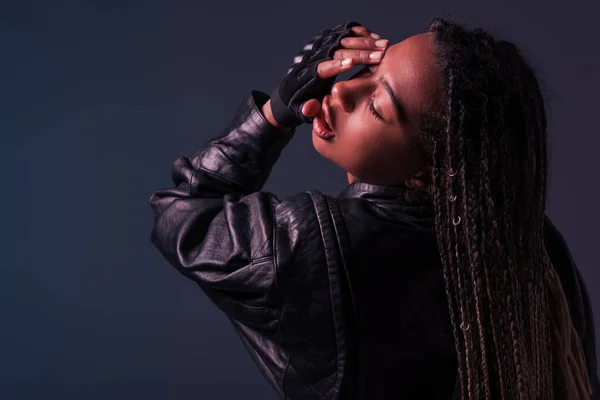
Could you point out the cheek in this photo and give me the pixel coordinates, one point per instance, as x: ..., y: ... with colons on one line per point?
x: 355, y: 151
x: 372, y: 155
x: 379, y: 159
x: 322, y: 147
x: 348, y: 151
x: 386, y: 158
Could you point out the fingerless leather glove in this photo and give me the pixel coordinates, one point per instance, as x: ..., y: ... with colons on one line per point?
x: 301, y: 82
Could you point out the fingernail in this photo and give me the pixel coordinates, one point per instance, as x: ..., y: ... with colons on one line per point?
x: 375, y: 36
x: 346, y: 62
x: 381, y: 43
x: 376, y: 55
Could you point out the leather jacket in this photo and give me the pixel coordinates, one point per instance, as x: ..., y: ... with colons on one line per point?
x: 333, y: 297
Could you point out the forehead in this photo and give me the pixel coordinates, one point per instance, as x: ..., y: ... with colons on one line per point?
x: 412, y: 70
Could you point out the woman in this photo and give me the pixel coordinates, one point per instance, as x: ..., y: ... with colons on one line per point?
x: 435, y: 273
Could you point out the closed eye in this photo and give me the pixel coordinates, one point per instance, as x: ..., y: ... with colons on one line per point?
x: 374, y: 111
x: 363, y: 72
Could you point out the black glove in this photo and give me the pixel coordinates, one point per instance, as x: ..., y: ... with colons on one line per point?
x: 301, y: 83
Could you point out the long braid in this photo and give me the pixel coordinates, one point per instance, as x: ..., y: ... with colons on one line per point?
x: 489, y: 222
x: 468, y: 200
x: 508, y: 171
x: 440, y: 225
x: 462, y: 254
x: 498, y: 281
x: 488, y: 253
x: 477, y: 213
x: 471, y: 250
x: 535, y: 294
x: 575, y: 370
x: 449, y: 215
x: 498, y: 278
x: 539, y: 321
x: 540, y: 119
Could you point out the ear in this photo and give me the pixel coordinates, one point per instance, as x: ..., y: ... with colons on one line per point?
x: 417, y: 184
x: 421, y: 180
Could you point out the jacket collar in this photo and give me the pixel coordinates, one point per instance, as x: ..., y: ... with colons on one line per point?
x: 392, y: 198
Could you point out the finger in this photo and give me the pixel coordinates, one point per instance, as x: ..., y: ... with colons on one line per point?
x: 311, y: 108
x: 363, y: 31
x: 331, y: 68
x: 359, y: 56
x: 358, y: 43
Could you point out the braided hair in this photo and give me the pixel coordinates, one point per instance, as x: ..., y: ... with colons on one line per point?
x: 486, y: 141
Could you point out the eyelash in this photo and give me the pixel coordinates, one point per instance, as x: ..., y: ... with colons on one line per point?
x: 372, y: 109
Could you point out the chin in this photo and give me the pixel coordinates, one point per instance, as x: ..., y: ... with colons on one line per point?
x: 317, y: 142
x: 324, y: 147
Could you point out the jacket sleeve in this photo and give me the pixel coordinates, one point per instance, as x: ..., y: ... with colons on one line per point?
x: 215, y: 226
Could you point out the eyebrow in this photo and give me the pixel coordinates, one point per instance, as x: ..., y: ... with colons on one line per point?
x: 397, y: 106
x: 400, y: 113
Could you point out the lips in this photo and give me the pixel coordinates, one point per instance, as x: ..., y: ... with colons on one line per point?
x: 327, y: 113
x: 321, y: 129
x: 322, y: 122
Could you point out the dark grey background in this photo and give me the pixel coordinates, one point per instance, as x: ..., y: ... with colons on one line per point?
x: 98, y: 98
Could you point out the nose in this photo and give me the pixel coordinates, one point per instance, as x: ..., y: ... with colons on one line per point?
x: 348, y: 93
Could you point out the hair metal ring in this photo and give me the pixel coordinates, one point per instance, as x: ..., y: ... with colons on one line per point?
x: 457, y: 222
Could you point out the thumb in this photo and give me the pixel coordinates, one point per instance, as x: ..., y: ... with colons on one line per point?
x: 311, y: 108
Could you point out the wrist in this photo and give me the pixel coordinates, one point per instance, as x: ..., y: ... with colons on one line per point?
x: 268, y: 114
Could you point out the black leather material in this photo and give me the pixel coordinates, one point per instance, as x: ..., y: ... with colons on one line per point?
x: 301, y: 82
x: 334, y: 298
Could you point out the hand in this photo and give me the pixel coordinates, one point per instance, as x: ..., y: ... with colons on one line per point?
x: 313, y: 73
x: 365, y: 49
